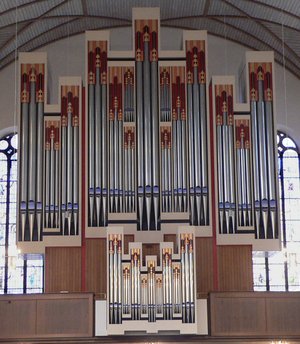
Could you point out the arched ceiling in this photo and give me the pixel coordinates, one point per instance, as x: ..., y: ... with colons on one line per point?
x: 257, y: 24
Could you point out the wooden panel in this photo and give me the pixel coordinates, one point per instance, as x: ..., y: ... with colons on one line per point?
x: 235, y: 268
x: 254, y: 314
x: 63, y: 317
x: 283, y: 315
x: 172, y: 238
x: 127, y: 239
x: 204, y: 265
x: 151, y: 250
x: 234, y: 315
x: 17, y: 317
x: 46, y: 316
x: 62, y: 269
x: 96, y: 267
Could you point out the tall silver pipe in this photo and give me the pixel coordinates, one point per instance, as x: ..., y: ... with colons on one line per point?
x: 63, y: 173
x: 262, y: 155
x: 163, y: 171
x: 115, y: 160
x: 255, y: 169
x: 196, y: 128
x: 175, y: 164
x: 115, y: 280
x: 24, y: 155
x: 220, y: 174
x: 184, y: 163
x: 126, y: 173
x: 75, y: 145
x: 104, y: 188
x: 248, y: 186
x: 120, y: 162
x: 91, y: 148
x: 57, y: 186
x: 32, y: 154
x: 204, y: 159
x: 162, y: 100
x: 47, y: 178
x: 169, y: 176
x: 179, y: 159
x: 139, y: 285
x: 240, y: 190
x: 39, y: 171
x: 155, y: 140
x: 119, y: 280
x: 191, y: 280
x: 271, y: 164
x: 52, y: 178
x: 148, y: 142
x: 262, y: 137
x: 111, y: 162
x: 140, y: 140
x: 191, y: 144
x: 183, y: 278
x: 133, y: 171
x: 231, y: 177
x: 70, y: 176
x: 187, y: 279
x: 97, y: 144
x: 111, y: 278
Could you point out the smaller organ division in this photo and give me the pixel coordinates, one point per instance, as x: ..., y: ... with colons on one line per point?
x: 151, y: 291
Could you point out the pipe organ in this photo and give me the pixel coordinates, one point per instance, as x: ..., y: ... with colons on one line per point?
x: 146, y: 147
x: 152, y: 291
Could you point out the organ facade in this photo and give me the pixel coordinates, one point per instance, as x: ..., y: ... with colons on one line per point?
x: 151, y: 157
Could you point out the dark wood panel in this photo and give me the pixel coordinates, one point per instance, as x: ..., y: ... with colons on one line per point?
x: 232, y: 315
x: 204, y: 265
x: 172, y: 238
x: 254, y: 314
x: 127, y: 239
x: 283, y: 314
x: 63, y: 317
x: 17, y: 317
x: 46, y: 316
x: 62, y: 269
x: 151, y: 250
x: 235, y: 268
x: 96, y: 266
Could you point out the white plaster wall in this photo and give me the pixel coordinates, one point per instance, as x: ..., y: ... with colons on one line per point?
x: 66, y: 58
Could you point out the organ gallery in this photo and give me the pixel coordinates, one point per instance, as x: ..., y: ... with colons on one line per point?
x: 154, y: 160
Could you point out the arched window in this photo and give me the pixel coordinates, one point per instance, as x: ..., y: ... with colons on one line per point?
x: 18, y: 274
x: 281, y: 270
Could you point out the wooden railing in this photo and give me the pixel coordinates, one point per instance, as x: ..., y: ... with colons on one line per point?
x: 46, y: 315
x: 254, y: 314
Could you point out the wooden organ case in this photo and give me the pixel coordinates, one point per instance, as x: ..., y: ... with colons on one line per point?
x: 150, y: 172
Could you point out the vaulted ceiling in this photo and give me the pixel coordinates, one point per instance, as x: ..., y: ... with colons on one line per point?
x: 257, y: 24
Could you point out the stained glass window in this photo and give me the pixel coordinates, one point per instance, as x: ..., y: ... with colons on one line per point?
x: 281, y: 270
x: 18, y: 274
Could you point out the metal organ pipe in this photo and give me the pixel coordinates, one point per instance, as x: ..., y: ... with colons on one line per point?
x: 24, y: 152
x: 97, y: 140
x: 32, y: 152
x: 147, y: 125
x: 39, y: 154
x: 140, y: 129
x: 155, y: 128
x: 197, y: 131
x: 97, y: 129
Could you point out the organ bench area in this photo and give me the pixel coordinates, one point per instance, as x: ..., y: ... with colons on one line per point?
x: 148, y: 184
